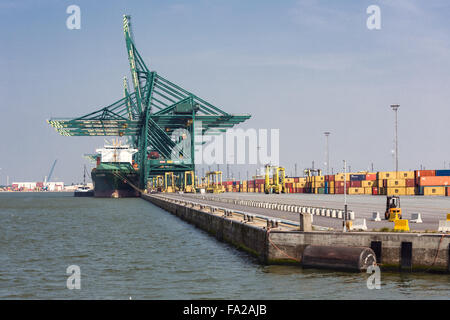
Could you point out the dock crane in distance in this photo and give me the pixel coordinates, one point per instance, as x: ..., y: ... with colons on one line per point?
x: 311, y: 172
x: 189, y: 182
x: 278, y: 184
x: 47, y: 178
x: 214, y: 182
x: 169, y: 182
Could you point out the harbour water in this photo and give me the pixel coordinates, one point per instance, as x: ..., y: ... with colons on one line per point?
x: 128, y: 248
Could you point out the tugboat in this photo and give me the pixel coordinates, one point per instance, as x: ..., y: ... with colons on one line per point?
x: 84, y: 190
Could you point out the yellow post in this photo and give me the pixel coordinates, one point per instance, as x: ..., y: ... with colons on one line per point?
x: 401, y: 225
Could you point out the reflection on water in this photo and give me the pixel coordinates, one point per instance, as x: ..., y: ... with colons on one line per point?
x: 130, y: 248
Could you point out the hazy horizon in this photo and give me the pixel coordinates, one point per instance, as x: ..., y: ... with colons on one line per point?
x: 304, y: 67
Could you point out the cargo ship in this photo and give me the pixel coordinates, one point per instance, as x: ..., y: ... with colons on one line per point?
x: 115, y: 175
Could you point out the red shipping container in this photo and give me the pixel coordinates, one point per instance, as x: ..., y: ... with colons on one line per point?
x: 331, y: 178
x: 375, y: 191
x: 341, y: 184
x: 410, y: 183
x: 355, y: 184
x: 434, y: 181
x: 423, y: 173
x: 448, y: 192
x: 371, y: 176
x: 259, y: 181
x: 296, y: 180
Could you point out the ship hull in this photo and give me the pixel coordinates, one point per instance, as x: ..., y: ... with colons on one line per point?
x: 115, y: 182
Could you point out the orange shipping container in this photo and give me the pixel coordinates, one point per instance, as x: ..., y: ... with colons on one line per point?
x: 371, y: 176
x: 434, y: 181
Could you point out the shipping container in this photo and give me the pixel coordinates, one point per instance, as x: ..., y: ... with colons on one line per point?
x: 340, y: 177
x: 369, y: 183
x: 440, y: 173
x: 371, y: 176
x: 447, y: 193
x: 424, y: 173
x: 434, y: 191
x: 405, y: 175
x: 375, y: 190
x: 357, y: 177
x: 355, y: 184
x: 356, y: 191
x: 410, y: 182
x: 367, y: 190
x: 396, y: 191
x: 434, y: 181
x: 396, y: 183
x: 410, y: 191
x: 385, y: 175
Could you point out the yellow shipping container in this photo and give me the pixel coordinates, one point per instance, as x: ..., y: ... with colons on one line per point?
x: 300, y: 184
x: 319, y: 184
x: 340, y: 177
x: 367, y: 190
x: 405, y: 175
x: 331, y: 190
x: 369, y: 183
x: 355, y: 190
x: 319, y: 178
x: 302, y: 180
x: 387, y: 175
x: 289, y: 180
x: 396, y: 183
x: 410, y: 191
x: 396, y: 191
x: 434, y: 191
x: 331, y: 184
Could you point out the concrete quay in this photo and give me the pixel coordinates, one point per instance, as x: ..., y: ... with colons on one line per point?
x: 281, y: 242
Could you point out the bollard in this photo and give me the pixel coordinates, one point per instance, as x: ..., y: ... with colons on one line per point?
x: 305, y: 222
x: 333, y: 214
x: 340, y: 214
x: 328, y: 213
x: 376, y: 216
x: 416, y: 218
x: 351, y: 215
x: 359, y: 224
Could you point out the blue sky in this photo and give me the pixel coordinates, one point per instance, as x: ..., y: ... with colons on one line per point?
x: 304, y: 67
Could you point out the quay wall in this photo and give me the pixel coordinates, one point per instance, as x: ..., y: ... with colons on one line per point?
x: 395, y: 251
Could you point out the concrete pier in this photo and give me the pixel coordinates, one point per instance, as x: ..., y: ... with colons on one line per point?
x: 283, y: 242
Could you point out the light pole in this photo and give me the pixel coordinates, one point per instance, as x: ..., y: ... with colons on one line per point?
x: 395, y: 108
x: 327, y: 155
x: 345, y: 196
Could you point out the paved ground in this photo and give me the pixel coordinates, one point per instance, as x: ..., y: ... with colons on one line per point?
x: 432, y: 209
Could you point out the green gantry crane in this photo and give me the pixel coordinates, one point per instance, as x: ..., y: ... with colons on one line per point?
x: 151, y: 116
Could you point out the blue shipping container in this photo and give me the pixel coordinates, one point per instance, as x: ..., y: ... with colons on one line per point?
x: 357, y: 177
x: 445, y: 173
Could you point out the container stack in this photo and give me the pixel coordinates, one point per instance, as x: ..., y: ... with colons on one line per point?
x: 436, y: 184
x: 402, y: 183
